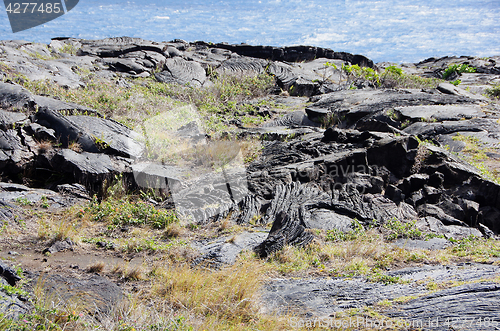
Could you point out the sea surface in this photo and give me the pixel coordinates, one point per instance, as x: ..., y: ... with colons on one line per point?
x: 385, y: 30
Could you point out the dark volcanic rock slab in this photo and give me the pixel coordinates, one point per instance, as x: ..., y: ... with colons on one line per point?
x: 470, y: 307
x: 15, y: 97
x: 10, y: 193
x: 119, y: 139
x: 242, y: 65
x: 353, y: 105
x: 14, y: 155
x: 226, y: 250
x: 324, y: 296
x: 89, y: 169
x: 10, y: 304
x: 292, y: 53
x: 115, y: 47
x: 428, y: 130
x: 67, y: 107
x: 66, y: 131
x: 295, y: 119
x: 441, y: 113
x: 95, y: 294
x: 180, y: 71
x: 285, y: 231
x: 9, y: 120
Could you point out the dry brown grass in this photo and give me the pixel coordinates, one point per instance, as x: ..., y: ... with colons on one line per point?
x: 361, y: 256
x: 228, y: 293
x: 76, y: 147
x: 44, y: 147
x: 128, y: 272
x: 174, y: 230
x: 251, y: 149
x: 96, y: 267
x: 60, y: 225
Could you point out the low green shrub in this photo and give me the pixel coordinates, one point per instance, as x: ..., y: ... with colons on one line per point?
x: 494, y: 92
x: 457, y: 68
x: 336, y: 235
x: 126, y: 212
x: 398, y: 229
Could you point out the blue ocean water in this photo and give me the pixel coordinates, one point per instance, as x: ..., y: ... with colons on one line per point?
x: 384, y: 30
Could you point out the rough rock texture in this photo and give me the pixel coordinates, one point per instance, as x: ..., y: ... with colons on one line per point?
x: 337, y: 155
x: 323, y: 297
x: 183, y: 72
x: 59, y: 246
x: 225, y: 250
x: 96, y: 294
x: 66, y: 196
x: 11, y: 305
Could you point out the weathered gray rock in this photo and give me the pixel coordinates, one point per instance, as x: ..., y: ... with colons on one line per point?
x: 285, y: 231
x: 226, y: 250
x: 118, y: 46
x: 448, y: 88
x: 67, y: 132
x: 441, y: 113
x: 321, y: 297
x: 9, y: 274
x: 427, y: 130
x: 59, y: 246
x: 430, y: 224
x: 352, y: 105
x: 124, y: 65
x: 119, y: 139
x: 295, y: 119
x: 156, y: 175
x: 15, y: 97
x: 77, y: 190
x: 11, y: 193
x: 180, y: 71
x: 41, y: 133
x: 97, y: 295
x: 10, y: 120
x: 14, y: 155
x: 10, y: 304
x: 238, y: 65
x: 89, y: 169
x: 458, y: 307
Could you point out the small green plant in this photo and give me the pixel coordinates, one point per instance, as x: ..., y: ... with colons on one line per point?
x: 69, y: 49
x: 494, y: 92
x: 398, y: 229
x: 336, y: 235
x: 378, y: 277
x: 457, y: 68
x: 44, y: 203
x: 24, y: 201
x: 405, y: 124
x: 355, y: 71
x: 393, y: 114
x: 393, y: 70
x: 101, y: 143
x: 394, y: 77
x: 126, y: 212
x: 13, y: 290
